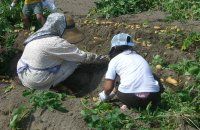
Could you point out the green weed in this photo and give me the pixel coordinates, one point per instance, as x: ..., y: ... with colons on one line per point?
x: 182, y: 9
x: 45, y: 99
x: 187, y: 67
x: 157, y: 60
x: 192, y: 39
x: 178, y: 9
x: 18, y: 115
x: 176, y: 109
x: 8, y: 20
x: 37, y: 99
x: 103, y: 116
x: 109, y: 8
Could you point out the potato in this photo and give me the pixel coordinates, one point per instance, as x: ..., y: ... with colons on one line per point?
x: 172, y: 81
x: 158, y: 67
x: 156, y: 27
x: 95, y: 99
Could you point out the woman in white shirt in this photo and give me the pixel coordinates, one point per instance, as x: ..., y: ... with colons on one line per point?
x: 50, y: 55
x: 138, y: 86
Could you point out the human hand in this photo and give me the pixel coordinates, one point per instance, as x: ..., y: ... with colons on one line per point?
x: 12, y: 5
x: 104, y: 97
x: 102, y: 59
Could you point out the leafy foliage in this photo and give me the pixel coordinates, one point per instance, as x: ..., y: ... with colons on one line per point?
x: 177, y: 108
x: 104, y: 117
x: 17, y: 116
x: 178, y: 9
x: 45, y: 99
x: 187, y: 67
x: 38, y: 99
x: 182, y: 9
x: 9, y: 20
x: 192, y: 39
x: 157, y: 59
x: 110, y: 8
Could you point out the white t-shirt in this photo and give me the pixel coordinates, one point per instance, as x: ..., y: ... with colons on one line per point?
x: 134, y: 71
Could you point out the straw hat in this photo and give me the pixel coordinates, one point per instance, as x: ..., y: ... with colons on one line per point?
x: 72, y: 34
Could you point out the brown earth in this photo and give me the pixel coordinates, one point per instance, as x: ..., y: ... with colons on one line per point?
x: 97, y: 39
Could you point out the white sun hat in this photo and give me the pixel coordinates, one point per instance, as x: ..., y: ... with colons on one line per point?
x: 122, y: 39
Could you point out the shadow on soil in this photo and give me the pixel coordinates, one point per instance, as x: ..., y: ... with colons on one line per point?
x: 84, y: 80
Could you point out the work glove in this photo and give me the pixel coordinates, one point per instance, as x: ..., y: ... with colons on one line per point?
x: 102, y: 59
x: 104, y: 97
x: 12, y: 5
x: 94, y: 58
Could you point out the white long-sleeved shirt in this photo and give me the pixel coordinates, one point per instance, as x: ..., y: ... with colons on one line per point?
x: 46, y: 53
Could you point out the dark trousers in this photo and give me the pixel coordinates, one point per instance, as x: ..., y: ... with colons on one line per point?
x: 131, y: 100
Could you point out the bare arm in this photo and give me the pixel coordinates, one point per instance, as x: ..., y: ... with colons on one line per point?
x: 109, y: 90
x: 108, y: 86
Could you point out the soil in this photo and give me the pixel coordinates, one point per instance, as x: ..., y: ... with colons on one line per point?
x: 97, y: 39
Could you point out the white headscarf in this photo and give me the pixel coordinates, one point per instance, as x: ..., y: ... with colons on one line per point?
x: 55, y: 25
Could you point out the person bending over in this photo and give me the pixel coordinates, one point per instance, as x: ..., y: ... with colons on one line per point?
x: 138, y: 86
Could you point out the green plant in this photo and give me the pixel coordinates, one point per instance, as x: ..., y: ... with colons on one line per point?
x: 197, y: 53
x: 177, y: 108
x: 9, y: 17
x: 8, y: 20
x: 8, y: 88
x: 18, y: 115
x: 193, y: 38
x: 45, y: 99
x: 187, y: 67
x: 103, y: 116
x: 157, y: 59
x: 182, y: 9
x: 38, y: 99
x: 109, y: 8
x: 178, y: 9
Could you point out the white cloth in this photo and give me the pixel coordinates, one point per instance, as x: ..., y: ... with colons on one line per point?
x: 49, y: 4
x: 49, y: 52
x: 134, y: 71
x: 104, y: 97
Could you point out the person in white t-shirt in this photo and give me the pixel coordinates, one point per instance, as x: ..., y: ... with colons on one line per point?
x: 138, y: 86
